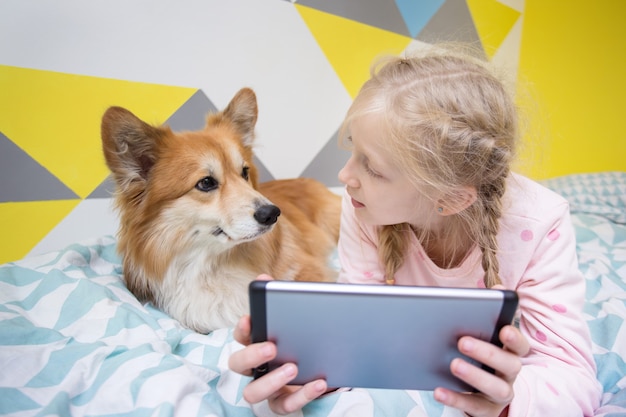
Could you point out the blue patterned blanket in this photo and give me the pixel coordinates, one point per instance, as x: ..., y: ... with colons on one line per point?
x: 75, y: 341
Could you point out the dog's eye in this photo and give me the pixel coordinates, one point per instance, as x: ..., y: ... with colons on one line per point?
x: 207, y: 184
x: 245, y: 173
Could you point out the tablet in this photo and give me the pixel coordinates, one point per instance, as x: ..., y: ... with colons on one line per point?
x: 374, y: 336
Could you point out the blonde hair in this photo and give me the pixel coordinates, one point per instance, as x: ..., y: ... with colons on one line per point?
x: 450, y: 123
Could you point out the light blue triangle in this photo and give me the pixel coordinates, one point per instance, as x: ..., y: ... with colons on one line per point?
x: 612, y: 371
x: 19, y: 403
x: 80, y: 301
x: 417, y: 13
x: 604, y: 330
x: 18, y: 276
x: 61, y: 363
x: 13, y: 332
x: 125, y: 318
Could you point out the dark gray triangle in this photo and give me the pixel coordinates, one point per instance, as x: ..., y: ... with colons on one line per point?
x: 104, y: 190
x: 383, y: 14
x: 192, y: 114
x: 452, y: 23
x: 327, y: 163
x: 24, y: 179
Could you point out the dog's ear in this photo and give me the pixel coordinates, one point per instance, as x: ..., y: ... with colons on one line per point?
x: 129, y: 145
x: 242, y: 111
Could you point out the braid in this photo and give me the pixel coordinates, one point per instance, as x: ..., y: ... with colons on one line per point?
x: 391, y: 249
x: 491, y: 196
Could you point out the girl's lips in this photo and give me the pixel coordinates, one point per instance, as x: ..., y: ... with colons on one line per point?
x: 357, y: 204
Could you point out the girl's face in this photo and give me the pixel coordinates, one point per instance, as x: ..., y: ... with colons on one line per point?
x: 381, y: 193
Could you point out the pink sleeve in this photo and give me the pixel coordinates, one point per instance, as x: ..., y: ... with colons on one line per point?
x: 357, y: 250
x: 558, y: 376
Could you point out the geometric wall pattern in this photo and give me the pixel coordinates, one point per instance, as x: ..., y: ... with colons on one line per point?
x: 67, y: 61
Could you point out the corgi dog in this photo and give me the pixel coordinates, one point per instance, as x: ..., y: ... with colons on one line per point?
x: 196, y: 226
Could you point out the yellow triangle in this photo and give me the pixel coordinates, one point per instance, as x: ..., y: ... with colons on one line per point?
x: 55, y: 118
x: 350, y: 46
x: 493, y: 21
x: 25, y: 224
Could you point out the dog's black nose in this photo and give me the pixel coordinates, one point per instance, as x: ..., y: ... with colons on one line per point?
x: 267, y: 214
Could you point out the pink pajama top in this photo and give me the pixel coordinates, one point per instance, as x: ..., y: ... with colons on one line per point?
x: 537, y: 255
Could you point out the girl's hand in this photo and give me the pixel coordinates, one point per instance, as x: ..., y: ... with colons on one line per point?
x: 496, y: 390
x: 282, y: 399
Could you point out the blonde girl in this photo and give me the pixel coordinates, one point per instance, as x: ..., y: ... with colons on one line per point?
x: 430, y: 199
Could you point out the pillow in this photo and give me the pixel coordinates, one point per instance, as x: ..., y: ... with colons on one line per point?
x: 602, y: 193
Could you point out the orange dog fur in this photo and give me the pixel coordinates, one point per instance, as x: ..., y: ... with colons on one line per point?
x: 195, y: 225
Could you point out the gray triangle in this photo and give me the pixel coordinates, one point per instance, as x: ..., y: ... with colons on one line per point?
x: 327, y: 163
x: 452, y: 23
x: 24, y: 179
x: 192, y: 114
x: 383, y: 14
x: 264, y: 173
x: 104, y: 190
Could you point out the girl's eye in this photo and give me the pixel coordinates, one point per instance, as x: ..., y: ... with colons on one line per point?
x: 245, y: 173
x: 371, y: 172
x: 207, y: 184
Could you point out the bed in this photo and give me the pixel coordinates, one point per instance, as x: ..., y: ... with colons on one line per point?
x: 75, y: 341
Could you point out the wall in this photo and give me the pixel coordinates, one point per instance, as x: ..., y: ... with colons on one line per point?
x: 573, y: 61
x: 63, y: 62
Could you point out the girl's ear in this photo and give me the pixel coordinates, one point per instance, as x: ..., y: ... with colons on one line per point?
x: 457, y: 201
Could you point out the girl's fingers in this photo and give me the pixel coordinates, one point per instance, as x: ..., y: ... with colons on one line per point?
x: 514, y: 341
x: 252, y: 356
x: 241, y: 333
x: 294, y: 398
x: 271, y: 385
x: 471, y: 404
x: 494, y: 388
x: 506, y: 364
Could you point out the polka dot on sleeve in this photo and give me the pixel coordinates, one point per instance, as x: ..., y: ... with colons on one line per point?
x: 541, y: 336
x: 526, y: 235
x: 553, y: 235
x: 368, y: 274
x: 559, y: 308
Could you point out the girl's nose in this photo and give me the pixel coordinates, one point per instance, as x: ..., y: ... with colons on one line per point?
x: 346, y: 177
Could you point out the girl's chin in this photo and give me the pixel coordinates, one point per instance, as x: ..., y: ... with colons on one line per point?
x: 365, y: 218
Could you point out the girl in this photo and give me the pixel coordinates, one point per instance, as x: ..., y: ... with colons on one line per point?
x: 430, y: 200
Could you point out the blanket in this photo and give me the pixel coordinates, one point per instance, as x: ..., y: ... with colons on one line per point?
x: 74, y: 340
